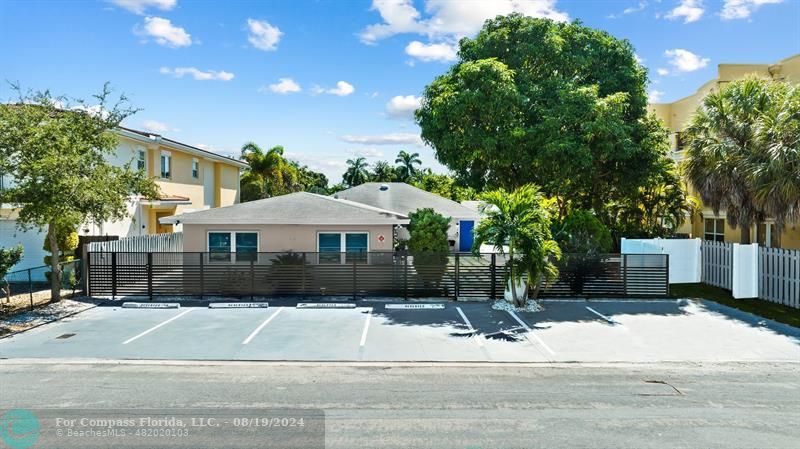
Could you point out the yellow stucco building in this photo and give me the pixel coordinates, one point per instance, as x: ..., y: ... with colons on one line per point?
x: 676, y: 116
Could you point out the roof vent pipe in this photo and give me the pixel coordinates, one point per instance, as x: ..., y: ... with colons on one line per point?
x: 384, y: 187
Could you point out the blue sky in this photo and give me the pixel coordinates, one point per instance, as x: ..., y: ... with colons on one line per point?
x: 330, y: 80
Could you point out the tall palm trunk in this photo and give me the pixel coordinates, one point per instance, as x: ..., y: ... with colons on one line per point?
x: 511, y: 278
x: 745, y: 235
x: 55, y: 267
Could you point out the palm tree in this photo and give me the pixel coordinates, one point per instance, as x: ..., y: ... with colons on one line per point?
x: 730, y: 153
x: 519, y: 222
x: 406, y: 163
x: 269, y: 174
x: 383, y: 172
x: 356, y: 173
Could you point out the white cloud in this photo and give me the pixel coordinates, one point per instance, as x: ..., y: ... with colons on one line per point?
x: 262, y: 35
x: 156, y: 127
x: 403, y: 106
x: 432, y: 52
x: 447, y: 21
x: 688, y: 10
x: 200, y: 75
x: 662, y: 71
x: 164, y: 32
x: 384, y: 139
x: 638, y: 59
x: 283, y: 86
x: 629, y: 10
x: 654, y: 96
x: 684, y: 60
x: 742, y: 9
x: 342, y: 89
x: 366, y: 152
x: 139, y: 6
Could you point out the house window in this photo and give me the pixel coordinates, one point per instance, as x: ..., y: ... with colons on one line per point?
x: 221, y: 244
x: 166, y: 165
x: 141, y: 160
x: 767, y: 235
x: 195, y: 169
x: 714, y: 229
x: 338, y: 247
x: 679, y: 141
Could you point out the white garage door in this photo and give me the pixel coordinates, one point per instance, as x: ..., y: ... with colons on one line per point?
x: 32, y: 241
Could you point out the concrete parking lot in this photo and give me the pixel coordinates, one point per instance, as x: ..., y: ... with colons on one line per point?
x: 567, y: 331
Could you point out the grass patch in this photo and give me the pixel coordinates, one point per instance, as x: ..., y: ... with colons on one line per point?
x: 766, y: 309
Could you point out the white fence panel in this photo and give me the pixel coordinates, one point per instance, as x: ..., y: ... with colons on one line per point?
x: 684, y: 256
x: 156, y: 243
x: 718, y: 264
x: 779, y: 276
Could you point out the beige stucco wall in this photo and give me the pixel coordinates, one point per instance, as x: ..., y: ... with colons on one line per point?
x: 278, y: 238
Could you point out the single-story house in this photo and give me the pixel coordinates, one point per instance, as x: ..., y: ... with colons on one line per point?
x: 405, y: 198
x: 297, y: 222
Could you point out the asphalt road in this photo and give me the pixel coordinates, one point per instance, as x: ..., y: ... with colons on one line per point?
x: 735, y: 405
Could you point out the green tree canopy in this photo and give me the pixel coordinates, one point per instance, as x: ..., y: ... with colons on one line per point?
x: 382, y: 171
x: 744, y: 152
x: 56, y: 152
x: 535, y: 101
x: 444, y: 185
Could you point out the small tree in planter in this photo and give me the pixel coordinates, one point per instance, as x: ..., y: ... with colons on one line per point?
x: 518, y: 223
x: 428, y: 244
x: 584, y: 238
x: 8, y: 258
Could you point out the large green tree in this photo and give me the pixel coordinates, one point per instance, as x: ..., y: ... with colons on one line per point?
x: 744, y: 152
x: 382, y: 171
x: 536, y: 101
x: 56, y: 151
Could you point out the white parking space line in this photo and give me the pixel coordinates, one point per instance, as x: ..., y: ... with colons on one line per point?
x: 469, y: 326
x: 366, y: 327
x: 531, y: 332
x: 601, y: 315
x: 260, y: 326
x: 157, y: 326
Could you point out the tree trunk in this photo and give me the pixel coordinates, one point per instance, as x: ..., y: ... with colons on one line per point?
x: 745, y: 232
x: 55, y: 267
x: 537, y: 288
x: 7, y: 291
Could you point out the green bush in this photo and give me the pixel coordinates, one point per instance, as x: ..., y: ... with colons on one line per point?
x: 428, y: 244
x: 583, y: 239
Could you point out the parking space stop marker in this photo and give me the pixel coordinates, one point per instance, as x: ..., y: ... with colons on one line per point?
x: 414, y: 306
x: 238, y: 305
x: 151, y: 305
x: 325, y: 305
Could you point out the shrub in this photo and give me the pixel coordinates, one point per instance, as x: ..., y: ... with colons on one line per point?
x: 428, y: 244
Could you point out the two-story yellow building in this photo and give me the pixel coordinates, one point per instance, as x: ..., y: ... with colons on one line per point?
x: 676, y: 117
x: 190, y: 179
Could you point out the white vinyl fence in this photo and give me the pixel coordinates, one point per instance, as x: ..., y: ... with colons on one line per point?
x: 779, y: 276
x: 156, y: 243
x: 717, y: 260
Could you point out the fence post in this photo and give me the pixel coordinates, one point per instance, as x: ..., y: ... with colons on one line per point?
x: 624, y: 275
x: 202, y: 276
x: 493, y: 271
x: 355, y: 286
x: 252, y: 277
x: 303, y: 277
x: 457, y: 279
x: 150, y: 275
x: 30, y: 287
x: 405, y: 276
x: 87, y: 270
x: 113, y: 275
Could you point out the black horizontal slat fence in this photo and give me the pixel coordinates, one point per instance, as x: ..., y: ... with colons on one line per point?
x: 243, y: 275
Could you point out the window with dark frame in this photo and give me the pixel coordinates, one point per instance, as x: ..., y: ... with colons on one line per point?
x: 166, y: 164
x: 195, y: 169
x: 714, y: 229
x: 141, y: 160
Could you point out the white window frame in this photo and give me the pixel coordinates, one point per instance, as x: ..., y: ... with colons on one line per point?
x: 233, y: 243
x: 168, y: 155
x: 195, y: 168
x: 342, y: 242
x: 770, y: 228
x: 714, y: 232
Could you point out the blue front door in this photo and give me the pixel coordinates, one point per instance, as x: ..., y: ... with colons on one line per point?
x: 465, y: 236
